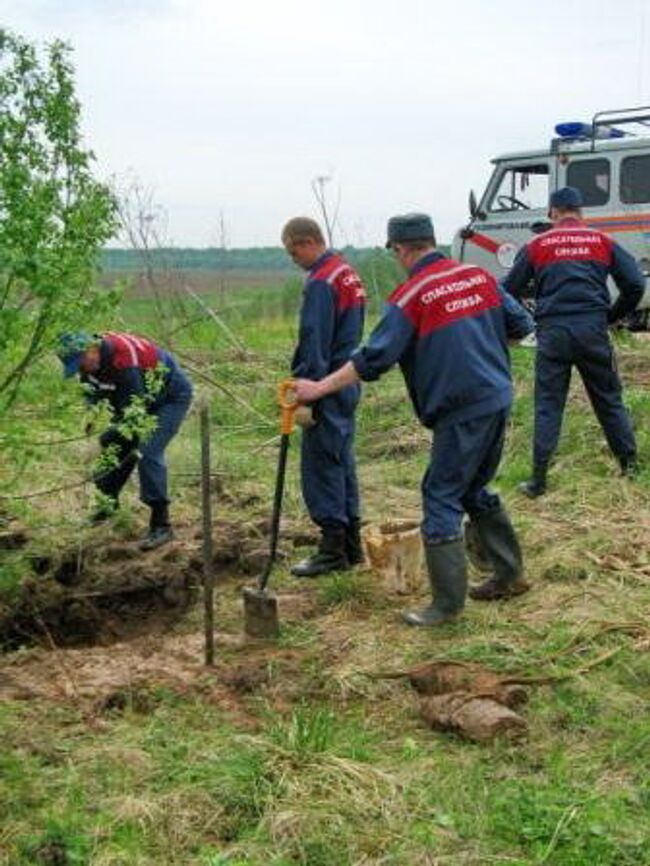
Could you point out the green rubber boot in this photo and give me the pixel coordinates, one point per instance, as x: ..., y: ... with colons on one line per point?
x: 448, y: 578
x: 501, y: 545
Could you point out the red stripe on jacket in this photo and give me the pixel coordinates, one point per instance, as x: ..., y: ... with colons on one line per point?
x: 445, y: 292
x: 348, y: 289
x: 570, y: 243
x: 130, y: 350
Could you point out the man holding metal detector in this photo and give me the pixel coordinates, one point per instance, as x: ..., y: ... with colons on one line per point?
x: 448, y: 327
x: 331, y: 326
x: 145, y: 388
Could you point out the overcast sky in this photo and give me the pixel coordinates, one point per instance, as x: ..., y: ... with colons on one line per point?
x: 235, y: 106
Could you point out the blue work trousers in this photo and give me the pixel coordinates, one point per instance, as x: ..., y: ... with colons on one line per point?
x: 464, y: 459
x: 585, y: 345
x: 328, y: 470
x: 152, y: 468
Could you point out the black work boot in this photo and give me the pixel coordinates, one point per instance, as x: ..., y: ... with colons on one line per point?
x: 160, y: 530
x: 629, y: 465
x: 501, y: 546
x: 448, y: 578
x: 330, y: 556
x: 353, y: 546
x: 535, y: 486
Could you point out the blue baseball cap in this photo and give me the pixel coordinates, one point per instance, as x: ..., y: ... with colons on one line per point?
x: 71, y: 350
x: 568, y: 197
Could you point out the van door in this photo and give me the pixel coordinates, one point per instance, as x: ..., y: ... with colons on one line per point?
x: 515, y: 199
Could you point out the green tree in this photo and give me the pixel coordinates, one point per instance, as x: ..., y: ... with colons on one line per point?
x: 54, y: 215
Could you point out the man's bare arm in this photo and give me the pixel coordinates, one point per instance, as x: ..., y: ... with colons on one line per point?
x: 308, y: 391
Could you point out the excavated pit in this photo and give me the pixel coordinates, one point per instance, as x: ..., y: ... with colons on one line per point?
x: 111, y: 591
x: 84, y: 602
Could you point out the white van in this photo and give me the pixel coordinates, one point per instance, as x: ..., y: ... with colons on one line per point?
x: 608, y: 160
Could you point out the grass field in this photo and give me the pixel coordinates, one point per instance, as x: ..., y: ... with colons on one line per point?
x: 135, y: 754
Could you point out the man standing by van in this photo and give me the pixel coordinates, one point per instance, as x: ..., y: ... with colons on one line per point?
x: 569, y: 265
x: 331, y: 326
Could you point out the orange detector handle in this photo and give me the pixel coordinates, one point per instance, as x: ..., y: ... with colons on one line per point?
x: 288, y: 405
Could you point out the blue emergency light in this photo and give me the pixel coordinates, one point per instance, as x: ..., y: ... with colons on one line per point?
x: 575, y: 129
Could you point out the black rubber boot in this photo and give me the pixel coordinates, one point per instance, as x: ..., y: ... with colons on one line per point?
x: 448, y: 578
x: 535, y: 486
x: 629, y: 465
x: 501, y: 545
x: 330, y: 556
x: 353, y: 546
x: 160, y: 530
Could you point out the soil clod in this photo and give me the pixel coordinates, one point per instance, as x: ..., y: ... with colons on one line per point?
x: 481, y: 719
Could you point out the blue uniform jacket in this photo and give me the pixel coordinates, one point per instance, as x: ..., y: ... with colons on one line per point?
x: 331, y: 327
x: 448, y: 327
x: 125, y: 362
x: 569, y: 265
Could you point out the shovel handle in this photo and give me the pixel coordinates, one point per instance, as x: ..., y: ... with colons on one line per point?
x: 288, y: 405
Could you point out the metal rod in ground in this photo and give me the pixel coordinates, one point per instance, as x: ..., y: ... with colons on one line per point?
x: 206, y: 508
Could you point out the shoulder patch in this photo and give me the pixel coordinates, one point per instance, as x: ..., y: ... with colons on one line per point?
x: 570, y: 244
x: 438, y: 297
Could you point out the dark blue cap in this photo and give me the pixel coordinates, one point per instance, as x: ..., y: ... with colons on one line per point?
x: 567, y: 197
x: 410, y: 227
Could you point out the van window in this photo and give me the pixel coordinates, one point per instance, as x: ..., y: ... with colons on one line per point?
x: 592, y: 178
x: 635, y: 179
x: 522, y: 187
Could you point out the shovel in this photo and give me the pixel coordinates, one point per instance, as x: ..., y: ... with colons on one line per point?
x: 261, y: 608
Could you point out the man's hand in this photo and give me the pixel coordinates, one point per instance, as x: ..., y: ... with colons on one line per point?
x: 304, y: 417
x: 307, y: 391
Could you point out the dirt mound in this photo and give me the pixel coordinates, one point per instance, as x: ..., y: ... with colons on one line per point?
x: 128, y: 677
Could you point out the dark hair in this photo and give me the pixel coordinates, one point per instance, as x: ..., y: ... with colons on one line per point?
x: 302, y: 229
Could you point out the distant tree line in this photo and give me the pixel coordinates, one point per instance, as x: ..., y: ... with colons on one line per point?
x: 218, y: 259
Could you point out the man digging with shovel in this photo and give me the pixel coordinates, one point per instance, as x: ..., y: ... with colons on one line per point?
x: 331, y: 326
x: 448, y: 327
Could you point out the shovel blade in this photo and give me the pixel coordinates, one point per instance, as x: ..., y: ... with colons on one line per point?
x: 260, y: 614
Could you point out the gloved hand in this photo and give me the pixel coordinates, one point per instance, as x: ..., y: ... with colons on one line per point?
x: 304, y: 417
x: 111, y: 436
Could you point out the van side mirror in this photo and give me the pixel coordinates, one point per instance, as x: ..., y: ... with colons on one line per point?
x: 540, y: 227
x: 473, y: 205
